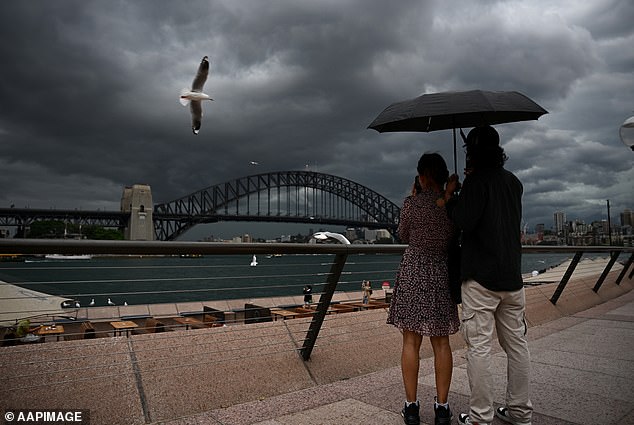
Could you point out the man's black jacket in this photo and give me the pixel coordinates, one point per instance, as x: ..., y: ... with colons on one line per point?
x: 489, y: 212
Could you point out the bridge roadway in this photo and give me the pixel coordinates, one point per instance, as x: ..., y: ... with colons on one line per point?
x: 581, y: 356
x: 24, y: 216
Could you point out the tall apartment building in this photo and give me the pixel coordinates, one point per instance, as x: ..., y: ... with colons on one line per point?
x: 560, y: 221
x: 627, y: 217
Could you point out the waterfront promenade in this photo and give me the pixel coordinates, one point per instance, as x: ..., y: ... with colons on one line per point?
x: 582, y: 373
x: 582, y: 358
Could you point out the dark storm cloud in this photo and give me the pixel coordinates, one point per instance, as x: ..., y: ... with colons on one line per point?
x: 607, y: 19
x: 90, y: 94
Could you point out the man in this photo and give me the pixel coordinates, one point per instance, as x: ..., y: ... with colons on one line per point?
x: 489, y: 211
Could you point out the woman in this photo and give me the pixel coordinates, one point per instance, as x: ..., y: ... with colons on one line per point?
x: 421, y: 304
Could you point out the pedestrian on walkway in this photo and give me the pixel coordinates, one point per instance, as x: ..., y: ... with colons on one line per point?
x: 366, y: 288
x: 421, y: 304
x: 308, y: 295
x: 489, y: 211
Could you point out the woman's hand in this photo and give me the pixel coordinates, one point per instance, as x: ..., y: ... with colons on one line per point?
x: 453, y: 184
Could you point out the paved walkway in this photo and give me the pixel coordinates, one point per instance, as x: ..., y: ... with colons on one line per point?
x: 582, y: 373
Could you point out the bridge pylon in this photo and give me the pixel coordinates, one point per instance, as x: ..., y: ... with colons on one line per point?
x: 137, y: 201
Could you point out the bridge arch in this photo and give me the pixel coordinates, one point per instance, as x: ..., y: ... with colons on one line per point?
x: 282, y: 196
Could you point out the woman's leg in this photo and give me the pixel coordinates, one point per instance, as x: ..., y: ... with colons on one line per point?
x: 410, y: 358
x: 443, y: 366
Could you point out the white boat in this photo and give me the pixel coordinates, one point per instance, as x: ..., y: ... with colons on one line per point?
x: 67, y: 257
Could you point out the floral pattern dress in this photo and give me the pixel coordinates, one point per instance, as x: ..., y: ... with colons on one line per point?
x: 421, y: 301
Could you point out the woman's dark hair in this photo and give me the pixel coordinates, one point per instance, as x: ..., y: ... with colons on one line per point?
x: 433, y: 166
x: 483, y: 148
x: 417, y: 187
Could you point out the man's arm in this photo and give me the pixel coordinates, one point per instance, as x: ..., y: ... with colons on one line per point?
x: 466, y: 209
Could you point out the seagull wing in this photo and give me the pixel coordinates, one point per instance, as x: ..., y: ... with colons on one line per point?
x: 197, y: 114
x: 201, y: 75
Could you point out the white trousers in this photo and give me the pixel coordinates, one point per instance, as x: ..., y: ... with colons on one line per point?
x: 483, y: 309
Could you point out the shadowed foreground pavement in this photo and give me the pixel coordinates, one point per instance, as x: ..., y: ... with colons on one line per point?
x: 582, y: 373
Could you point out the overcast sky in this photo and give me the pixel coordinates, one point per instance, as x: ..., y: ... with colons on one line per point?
x: 89, y: 94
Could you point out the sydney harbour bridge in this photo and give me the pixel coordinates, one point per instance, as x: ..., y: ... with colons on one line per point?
x: 283, y: 196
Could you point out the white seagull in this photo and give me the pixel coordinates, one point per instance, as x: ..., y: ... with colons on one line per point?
x: 195, y: 96
x: 110, y: 302
x: 92, y: 302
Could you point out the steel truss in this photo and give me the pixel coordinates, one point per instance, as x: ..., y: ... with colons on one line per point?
x: 283, y: 196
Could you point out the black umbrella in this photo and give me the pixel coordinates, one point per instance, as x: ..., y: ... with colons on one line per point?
x: 458, y: 109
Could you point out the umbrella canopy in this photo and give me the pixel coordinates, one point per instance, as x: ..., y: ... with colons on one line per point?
x: 458, y: 109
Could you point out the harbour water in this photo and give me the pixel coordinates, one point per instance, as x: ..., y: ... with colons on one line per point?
x: 146, y: 280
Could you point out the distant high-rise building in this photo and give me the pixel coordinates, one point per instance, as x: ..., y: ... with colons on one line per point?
x: 627, y: 217
x: 560, y: 221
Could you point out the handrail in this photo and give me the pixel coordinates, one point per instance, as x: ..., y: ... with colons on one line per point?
x: 341, y: 252
x: 73, y: 246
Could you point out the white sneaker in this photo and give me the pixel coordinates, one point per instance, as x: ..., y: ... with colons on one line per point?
x: 464, y: 419
x: 503, y: 413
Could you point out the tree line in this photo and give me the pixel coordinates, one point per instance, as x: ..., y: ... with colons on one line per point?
x: 57, y: 229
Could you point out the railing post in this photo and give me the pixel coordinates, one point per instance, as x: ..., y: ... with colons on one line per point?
x: 566, y: 277
x: 626, y: 267
x: 613, y: 256
x: 324, y: 302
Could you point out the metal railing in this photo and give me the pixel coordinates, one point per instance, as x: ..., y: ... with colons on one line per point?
x: 339, y: 252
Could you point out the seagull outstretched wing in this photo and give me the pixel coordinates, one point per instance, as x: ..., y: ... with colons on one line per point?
x: 196, y: 108
x: 201, y: 75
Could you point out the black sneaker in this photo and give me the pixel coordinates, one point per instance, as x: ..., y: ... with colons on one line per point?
x: 410, y: 414
x: 443, y: 415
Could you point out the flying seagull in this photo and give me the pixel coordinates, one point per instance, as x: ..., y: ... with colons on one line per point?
x: 195, y: 96
x: 254, y: 163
